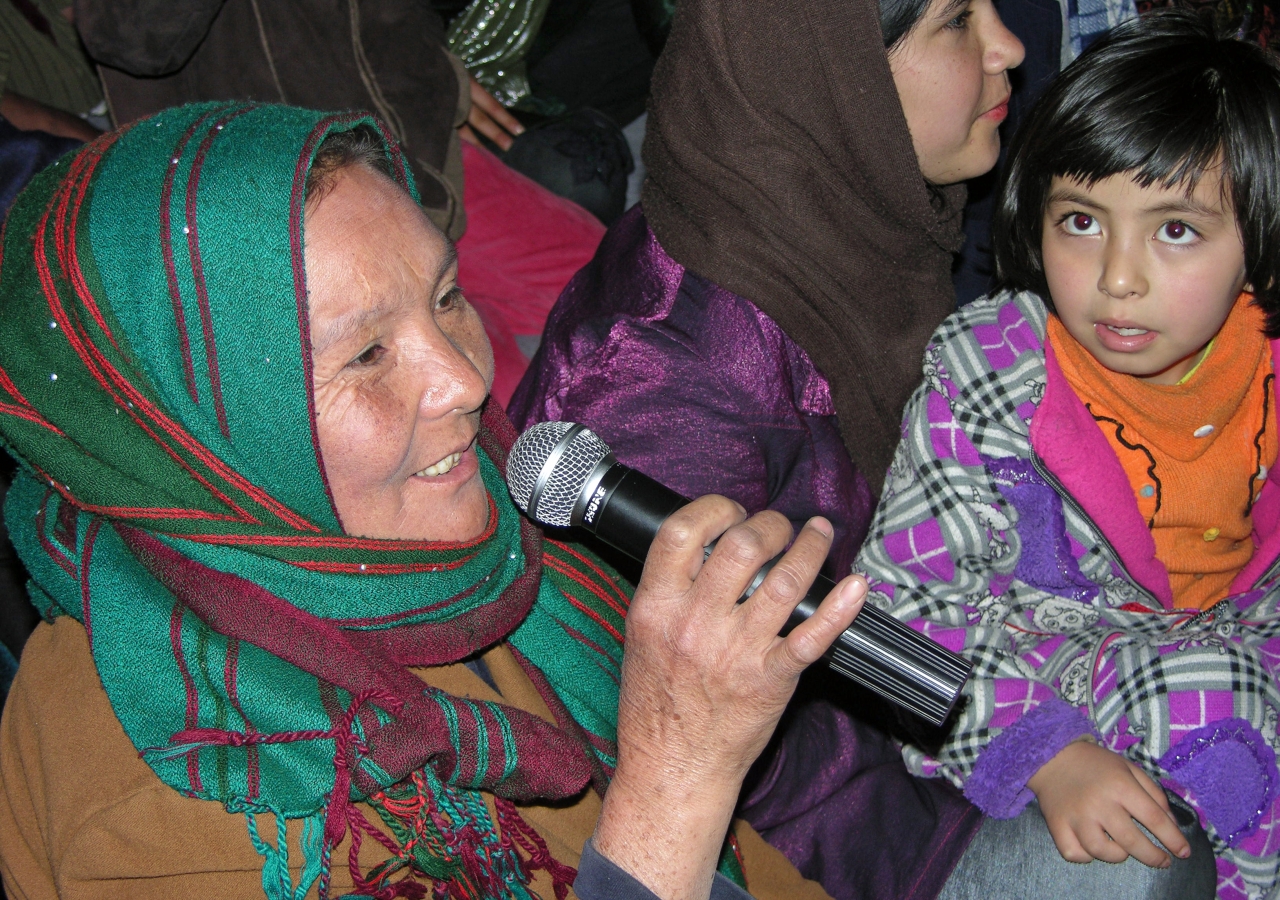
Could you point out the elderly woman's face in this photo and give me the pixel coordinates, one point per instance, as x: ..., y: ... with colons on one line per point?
x: 401, y: 365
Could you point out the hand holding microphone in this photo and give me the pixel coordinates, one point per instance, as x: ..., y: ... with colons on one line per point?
x: 562, y: 474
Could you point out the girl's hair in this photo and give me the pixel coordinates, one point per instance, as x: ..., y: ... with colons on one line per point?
x: 898, y: 17
x: 1163, y: 98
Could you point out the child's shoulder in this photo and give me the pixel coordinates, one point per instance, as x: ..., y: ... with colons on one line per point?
x: 1000, y: 332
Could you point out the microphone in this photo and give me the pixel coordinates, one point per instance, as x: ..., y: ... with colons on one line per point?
x: 562, y: 474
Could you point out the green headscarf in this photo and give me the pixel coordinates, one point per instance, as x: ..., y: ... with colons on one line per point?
x: 155, y: 384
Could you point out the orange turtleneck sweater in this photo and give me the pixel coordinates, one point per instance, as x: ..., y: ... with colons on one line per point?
x: 1196, y: 453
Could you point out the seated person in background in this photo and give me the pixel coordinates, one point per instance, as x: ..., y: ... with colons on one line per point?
x: 299, y: 641
x: 753, y: 329
x: 1084, y: 501
x: 518, y: 244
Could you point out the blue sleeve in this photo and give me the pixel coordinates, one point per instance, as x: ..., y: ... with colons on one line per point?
x: 600, y: 879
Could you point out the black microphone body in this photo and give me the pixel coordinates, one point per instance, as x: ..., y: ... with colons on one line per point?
x: 625, y: 508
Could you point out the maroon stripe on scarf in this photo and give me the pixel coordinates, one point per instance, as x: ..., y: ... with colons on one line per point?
x: 230, y: 672
x: 623, y: 601
x: 344, y: 568
x: 192, y: 718
x: 393, y: 618
x: 197, y: 267
x: 587, y: 642
x: 90, y: 536
x: 12, y: 389
x: 346, y: 542
x: 297, y: 210
x: 552, y: 763
x: 64, y: 528
x: 22, y: 412
x: 123, y: 392
x: 600, y: 620
x: 397, y: 158
x: 55, y: 552
x: 80, y: 176
x: 166, y: 250
x: 238, y: 608
x: 68, y: 252
x: 600, y: 776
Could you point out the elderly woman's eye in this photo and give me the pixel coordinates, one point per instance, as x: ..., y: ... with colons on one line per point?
x: 370, y: 355
x: 451, y: 298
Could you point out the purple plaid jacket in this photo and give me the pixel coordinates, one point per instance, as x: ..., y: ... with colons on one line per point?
x: 1008, y: 532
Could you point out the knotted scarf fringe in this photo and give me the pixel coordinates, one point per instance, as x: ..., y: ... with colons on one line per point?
x: 446, y: 835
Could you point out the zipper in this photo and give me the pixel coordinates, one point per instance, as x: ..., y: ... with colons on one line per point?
x: 1042, y: 470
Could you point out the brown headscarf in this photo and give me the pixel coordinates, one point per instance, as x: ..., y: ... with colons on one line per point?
x: 780, y: 167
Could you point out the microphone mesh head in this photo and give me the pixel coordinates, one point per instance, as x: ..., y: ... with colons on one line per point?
x: 533, y: 452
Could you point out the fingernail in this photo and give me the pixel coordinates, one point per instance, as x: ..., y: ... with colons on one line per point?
x: 854, y: 590
x: 821, y: 525
x: 1184, y: 853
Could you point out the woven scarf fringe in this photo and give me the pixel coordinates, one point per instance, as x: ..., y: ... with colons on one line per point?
x: 445, y: 835
x: 277, y: 882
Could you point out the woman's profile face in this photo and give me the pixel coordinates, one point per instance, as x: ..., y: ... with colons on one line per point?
x: 951, y: 71
x: 401, y: 365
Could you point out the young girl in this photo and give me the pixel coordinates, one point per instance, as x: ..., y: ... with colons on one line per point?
x: 1084, y: 501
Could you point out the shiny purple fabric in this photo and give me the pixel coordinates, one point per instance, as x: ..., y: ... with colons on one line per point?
x: 695, y: 386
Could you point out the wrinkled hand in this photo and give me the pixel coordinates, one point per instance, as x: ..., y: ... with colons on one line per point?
x: 1090, y: 798
x: 490, y: 118
x: 704, y: 682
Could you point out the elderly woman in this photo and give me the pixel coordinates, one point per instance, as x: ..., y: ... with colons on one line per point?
x: 298, y: 640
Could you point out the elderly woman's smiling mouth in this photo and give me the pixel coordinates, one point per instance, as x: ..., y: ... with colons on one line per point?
x: 401, y: 365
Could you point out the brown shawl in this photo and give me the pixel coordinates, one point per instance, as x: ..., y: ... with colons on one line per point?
x: 780, y: 167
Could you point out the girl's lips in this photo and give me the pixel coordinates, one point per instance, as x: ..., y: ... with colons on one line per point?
x: 1122, y: 343
x: 997, y: 113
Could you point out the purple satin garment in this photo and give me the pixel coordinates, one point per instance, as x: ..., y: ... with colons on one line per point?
x: 695, y: 386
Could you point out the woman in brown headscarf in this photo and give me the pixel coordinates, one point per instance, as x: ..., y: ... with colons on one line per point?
x: 755, y: 329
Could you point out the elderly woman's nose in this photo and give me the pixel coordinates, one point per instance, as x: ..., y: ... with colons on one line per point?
x: 449, y: 376
x: 1002, y: 48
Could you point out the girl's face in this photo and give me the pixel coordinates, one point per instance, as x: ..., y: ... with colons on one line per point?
x: 951, y: 71
x: 1142, y: 277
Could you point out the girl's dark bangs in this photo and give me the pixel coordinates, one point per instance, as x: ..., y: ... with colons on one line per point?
x: 1178, y: 138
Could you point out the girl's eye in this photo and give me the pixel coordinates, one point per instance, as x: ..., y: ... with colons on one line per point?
x: 1176, y: 233
x: 370, y: 355
x: 960, y: 22
x: 1081, y: 223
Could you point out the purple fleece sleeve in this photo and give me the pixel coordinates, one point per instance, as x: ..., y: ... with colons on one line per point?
x: 998, y: 785
x: 600, y: 879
